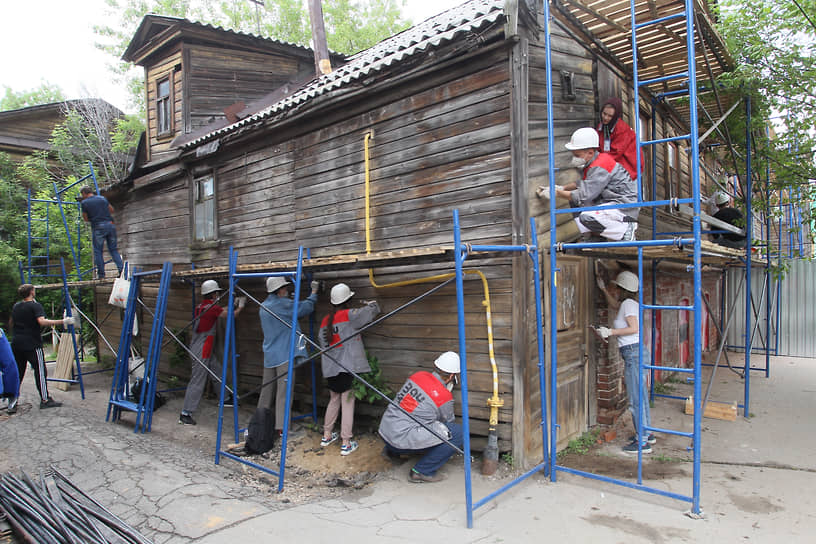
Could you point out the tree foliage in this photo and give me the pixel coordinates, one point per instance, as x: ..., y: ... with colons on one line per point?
x: 774, y: 45
x: 46, y: 93
x: 351, y: 25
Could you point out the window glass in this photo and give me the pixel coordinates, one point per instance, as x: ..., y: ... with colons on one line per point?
x: 204, y: 208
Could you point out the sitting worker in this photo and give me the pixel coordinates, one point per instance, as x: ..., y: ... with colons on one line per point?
x: 617, y: 138
x: 732, y: 216
x: 604, y: 183
x: 205, y: 330
x: 276, y: 337
x: 426, y: 396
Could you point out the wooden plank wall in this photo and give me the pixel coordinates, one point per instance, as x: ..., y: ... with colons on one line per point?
x: 569, y: 115
x: 217, y: 77
x: 439, y: 144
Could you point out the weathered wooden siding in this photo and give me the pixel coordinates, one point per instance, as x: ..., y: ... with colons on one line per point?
x: 170, y: 66
x: 217, y: 77
x: 438, y: 144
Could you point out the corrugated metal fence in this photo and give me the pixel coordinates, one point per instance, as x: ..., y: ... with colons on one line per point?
x: 797, y: 307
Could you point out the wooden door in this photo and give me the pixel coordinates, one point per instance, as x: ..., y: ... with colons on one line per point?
x: 574, y: 290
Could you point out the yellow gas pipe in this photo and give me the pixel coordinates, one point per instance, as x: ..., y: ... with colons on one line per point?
x: 495, y: 402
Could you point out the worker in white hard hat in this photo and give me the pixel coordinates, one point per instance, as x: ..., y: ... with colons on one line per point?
x: 427, y: 397
x: 604, y: 182
x: 732, y: 216
x: 621, y: 295
x: 276, y: 341
x: 343, y: 323
x: 204, y: 346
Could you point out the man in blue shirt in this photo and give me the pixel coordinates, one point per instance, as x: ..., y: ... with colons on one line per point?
x: 97, y: 210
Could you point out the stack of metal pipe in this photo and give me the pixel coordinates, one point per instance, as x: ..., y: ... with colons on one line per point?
x: 53, y: 510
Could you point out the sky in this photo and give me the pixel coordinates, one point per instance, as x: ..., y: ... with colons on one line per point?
x: 53, y: 41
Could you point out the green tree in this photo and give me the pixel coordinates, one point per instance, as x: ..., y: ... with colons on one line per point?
x: 46, y: 93
x: 351, y: 25
x: 774, y: 45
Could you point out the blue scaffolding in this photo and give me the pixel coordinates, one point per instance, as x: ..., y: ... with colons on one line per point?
x: 461, y: 253
x: 691, y: 239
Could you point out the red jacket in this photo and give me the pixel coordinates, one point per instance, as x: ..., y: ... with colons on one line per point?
x: 622, y: 146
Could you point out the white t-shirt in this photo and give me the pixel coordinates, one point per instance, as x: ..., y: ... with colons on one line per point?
x: 628, y: 307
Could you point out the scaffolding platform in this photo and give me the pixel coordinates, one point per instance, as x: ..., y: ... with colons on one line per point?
x: 711, y: 253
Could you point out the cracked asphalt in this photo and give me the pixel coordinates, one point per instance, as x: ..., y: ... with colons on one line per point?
x: 758, y: 483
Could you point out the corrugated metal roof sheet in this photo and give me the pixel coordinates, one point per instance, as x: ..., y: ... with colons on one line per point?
x: 433, y: 32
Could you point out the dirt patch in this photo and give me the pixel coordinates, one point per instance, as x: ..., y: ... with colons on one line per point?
x: 623, y: 467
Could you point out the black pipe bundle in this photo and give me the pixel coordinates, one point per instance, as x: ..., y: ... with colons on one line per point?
x: 53, y: 510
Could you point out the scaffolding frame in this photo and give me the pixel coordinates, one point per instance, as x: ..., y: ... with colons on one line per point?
x: 689, y: 76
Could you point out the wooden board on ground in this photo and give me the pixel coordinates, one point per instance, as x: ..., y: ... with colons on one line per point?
x: 65, y: 361
x: 715, y: 410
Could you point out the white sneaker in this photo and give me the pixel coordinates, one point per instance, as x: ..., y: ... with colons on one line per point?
x: 629, y: 235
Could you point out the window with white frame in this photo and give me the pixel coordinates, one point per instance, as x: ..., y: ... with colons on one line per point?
x: 204, y: 208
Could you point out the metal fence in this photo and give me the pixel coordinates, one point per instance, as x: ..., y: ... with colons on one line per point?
x: 793, y: 310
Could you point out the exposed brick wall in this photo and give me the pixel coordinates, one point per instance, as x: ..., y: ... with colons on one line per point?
x: 672, y: 288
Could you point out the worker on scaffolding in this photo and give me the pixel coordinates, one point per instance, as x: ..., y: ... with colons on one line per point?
x: 97, y: 210
x: 616, y: 137
x: 27, y: 320
x: 203, y: 347
x: 604, y: 183
x: 732, y: 216
x: 276, y: 341
x: 427, y: 397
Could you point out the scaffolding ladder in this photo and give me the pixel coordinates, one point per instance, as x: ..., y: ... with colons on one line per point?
x: 120, y: 387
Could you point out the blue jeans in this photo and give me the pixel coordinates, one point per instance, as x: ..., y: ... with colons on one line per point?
x: 102, y: 233
x: 630, y: 377
x: 434, y: 457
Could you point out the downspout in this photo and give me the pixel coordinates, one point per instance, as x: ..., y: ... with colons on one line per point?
x: 490, y: 458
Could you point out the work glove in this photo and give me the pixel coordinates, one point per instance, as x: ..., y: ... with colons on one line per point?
x: 601, y: 285
x: 604, y: 332
x: 543, y: 192
x: 241, y: 301
x: 315, y: 286
x: 68, y: 320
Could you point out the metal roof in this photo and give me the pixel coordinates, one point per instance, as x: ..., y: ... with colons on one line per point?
x: 431, y: 33
x: 606, y: 23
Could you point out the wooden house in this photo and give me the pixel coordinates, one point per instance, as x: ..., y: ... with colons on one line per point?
x: 449, y: 114
x: 25, y: 131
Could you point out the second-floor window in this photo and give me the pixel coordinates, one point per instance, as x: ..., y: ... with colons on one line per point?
x: 204, y: 208
x: 164, y: 109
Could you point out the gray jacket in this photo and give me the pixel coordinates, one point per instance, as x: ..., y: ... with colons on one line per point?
x: 426, y: 398
x: 606, y: 182
x: 351, y: 353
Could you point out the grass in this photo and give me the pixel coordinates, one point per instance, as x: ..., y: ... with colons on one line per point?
x: 582, y: 444
x: 663, y: 458
x: 662, y: 388
x: 507, y: 458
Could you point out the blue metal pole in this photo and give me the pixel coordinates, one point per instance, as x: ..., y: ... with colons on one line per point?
x: 29, y: 237
x: 228, y: 348
x: 749, y: 239
x: 460, y: 312
x: 640, y: 428
x: 77, y: 263
x: 542, y: 370
x: 768, y: 277
x: 698, y: 297
x: 553, y: 242
x: 290, y: 377
x: 312, y: 336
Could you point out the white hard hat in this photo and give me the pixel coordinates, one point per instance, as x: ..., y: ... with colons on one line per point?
x: 721, y: 198
x: 583, y: 138
x: 341, y: 293
x: 628, y: 281
x: 209, y: 286
x: 448, y: 362
x: 273, y: 283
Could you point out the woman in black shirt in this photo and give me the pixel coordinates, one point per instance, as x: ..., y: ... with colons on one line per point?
x: 27, y: 321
